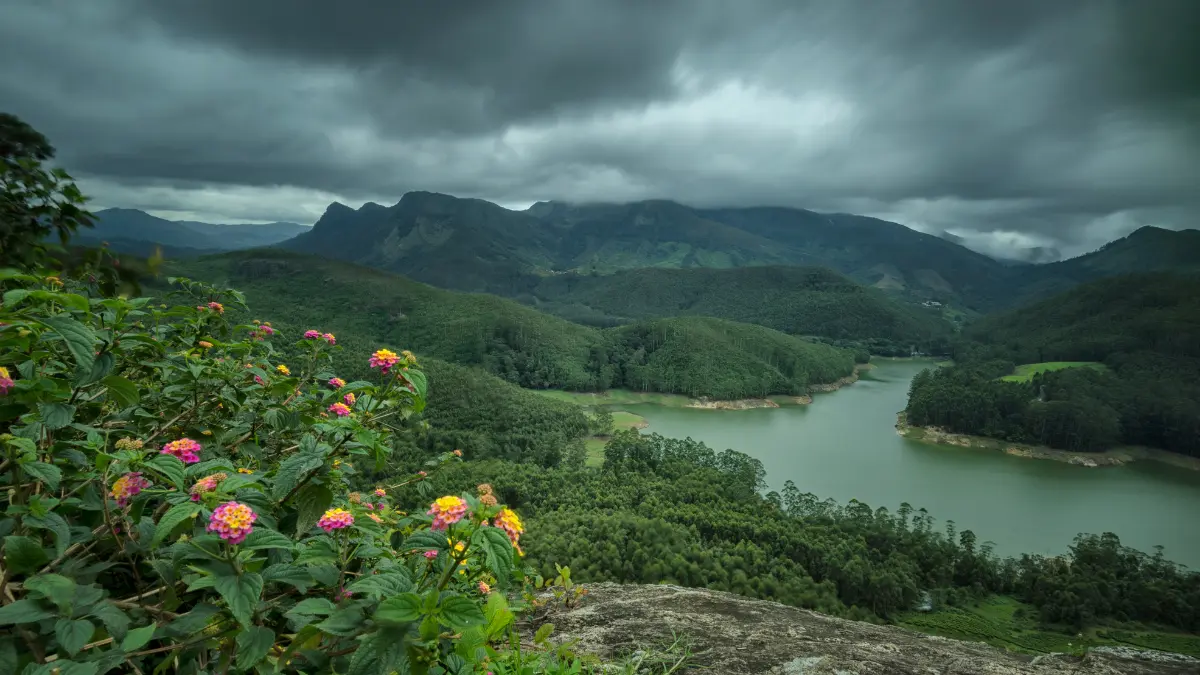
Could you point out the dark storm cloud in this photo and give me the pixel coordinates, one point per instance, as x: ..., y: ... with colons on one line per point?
x: 1012, y: 123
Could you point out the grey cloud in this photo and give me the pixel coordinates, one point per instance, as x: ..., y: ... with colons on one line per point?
x: 1059, y: 123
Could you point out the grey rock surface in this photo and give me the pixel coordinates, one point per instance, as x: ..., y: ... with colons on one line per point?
x: 737, y: 635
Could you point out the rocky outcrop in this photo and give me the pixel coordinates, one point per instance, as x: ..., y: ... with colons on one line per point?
x: 737, y: 635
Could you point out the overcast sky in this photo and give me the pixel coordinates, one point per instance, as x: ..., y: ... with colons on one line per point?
x: 1008, y: 122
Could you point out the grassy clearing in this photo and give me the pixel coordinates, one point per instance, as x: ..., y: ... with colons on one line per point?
x: 617, y: 397
x: 1004, y: 622
x: 1026, y: 372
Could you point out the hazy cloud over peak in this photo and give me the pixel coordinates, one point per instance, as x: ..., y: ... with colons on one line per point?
x: 1011, y: 124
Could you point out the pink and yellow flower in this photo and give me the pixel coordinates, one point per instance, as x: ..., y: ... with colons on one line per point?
x: 128, y: 486
x: 233, y: 521
x: 375, y: 518
x: 484, y: 588
x: 384, y: 360
x: 206, y: 485
x: 337, y: 382
x: 380, y: 492
x: 508, y: 521
x: 349, y: 398
x: 447, y: 511
x: 312, y: 334
x: 6, y: 381
x: 328, y: 337
x: 187, y: 450
x: 259, y: 380
x: 217, y: 307
x: 205, y: 344
x: 335, y: 519
x: 430, y: 555
x: 340, y: 409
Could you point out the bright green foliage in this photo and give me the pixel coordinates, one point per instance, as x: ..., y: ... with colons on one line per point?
x: 1026, y: 372
x: 693, y: 356
x: 176, y: 495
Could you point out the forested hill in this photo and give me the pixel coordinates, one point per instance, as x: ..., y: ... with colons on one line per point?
x: 1138, y: 335
x: 691, y: 355
x: 794, y: 300
x: 134, y: 231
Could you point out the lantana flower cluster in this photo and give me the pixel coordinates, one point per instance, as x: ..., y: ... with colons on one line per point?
x: 207, y: 485
x: 233, y: 521
x: 187, y: 450
x: 128, y: 486
x: 6, y: 381
x: 318, y: 335
x: 447, y: 511
x: 335, y: 519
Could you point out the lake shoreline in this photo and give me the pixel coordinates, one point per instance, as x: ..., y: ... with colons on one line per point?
x: 1111, y: 457
x: 777, y: 401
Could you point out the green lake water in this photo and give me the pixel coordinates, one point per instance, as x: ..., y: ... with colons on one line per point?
x: 845, y: 446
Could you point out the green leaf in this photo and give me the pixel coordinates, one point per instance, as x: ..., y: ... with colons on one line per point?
x: 459, y: 612
x: 174, y: 516
x: 326, y: 575
x: 378, y: 586
x: 23, y: 554
x: 498, y: 551
x: 403, y: 608
x: 137, y: 638
x: 54, y: 587
x: 24, y: 611
x: 242, y: 594
x: 543, y: 633
x: 114, y: 620
x: 497, y: 615
x: 344, y: 622
x: 311, y: 501
x: 73, y: 634
x: 56, y: 415
x: 170, y: 467
x: 121, y: 391
x: 293, y: 575
x: 8, y: 655
x: 380, y: 653
x: 193, y: 621
x: 261, y: 537
x: 47, y: 473
x: 426, y: 540
x: 56, y: 524
x: 293, y: 469
x: 80, y: 339
x: 100, y: 368
x: 253, y: 645
x: 314, y: 607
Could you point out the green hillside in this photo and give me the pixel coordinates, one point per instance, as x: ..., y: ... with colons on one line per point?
x: 794, y: 300
x: 693, y: 356
x: 1142, y: 335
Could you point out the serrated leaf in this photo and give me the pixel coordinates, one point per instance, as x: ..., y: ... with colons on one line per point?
x: 24, y: 611
x: 426, y: 540
x: 252, y: 645
x: 23, y: 554
x: 73, y: 634
x: 79, y: 339
x: 314, y: 607
x: 293, y: 575
x: 47, y: 473
x: 114, y: 620
x: 293, y: 469
x: 121, y: 391
x: 377, y: 586
x: 170, y: 467
x: 326, y: 575
x: 344, y: 622
x: 173, y: 518
x: 56, y: 415
x: 241, y: 593
x: 56, y: 524
x: 401, y: 609
x: 311, y: 501
x: 498, y: 553
x: 497, y: 616
x: 193, y: 621
x: 101, y: 367
x: 380, y: 653
x: 210, y: 466
x: 261, y: 538
x: 459, y: 612
x: 54, y: 587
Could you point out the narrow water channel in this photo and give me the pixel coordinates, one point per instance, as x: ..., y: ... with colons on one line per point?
x: 845, y: 446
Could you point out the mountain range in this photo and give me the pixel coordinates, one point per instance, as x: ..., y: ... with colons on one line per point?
x: 475, y: 245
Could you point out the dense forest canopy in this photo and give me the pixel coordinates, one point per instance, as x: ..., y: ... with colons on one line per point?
x: 1144, y: 329
x: 693, y: 356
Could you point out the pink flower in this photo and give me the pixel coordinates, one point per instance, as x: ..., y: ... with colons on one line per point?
x: 312, y: 335
x: 233, y: 521
x: 447, y: 511
x: 343, y: 594
x: 339, y: 409
x: 337, y: 382
x: 384, y: 359
x: 422, y: 474
x: 430, y: 555
x: 128, y: 486
x: 335, y: 519
x: 258, y: 379
x: 484, y: 588
x: 370, y: 506
x: 206, y: 485
x: 187, y: 450
x: 349, y: 398
x: 380, y: 492
x: 6, y: 381
x: 217, y: 307
x: 328, y: 337
x: 380, y: 506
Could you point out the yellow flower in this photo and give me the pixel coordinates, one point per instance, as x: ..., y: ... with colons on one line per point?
x: 206, y: 432
x: 54, y: 281
x: 245, y: 470
x: 205, y: 344
x: 283, y: 369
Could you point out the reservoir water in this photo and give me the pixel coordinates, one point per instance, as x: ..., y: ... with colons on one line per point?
x: 844, y: 445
